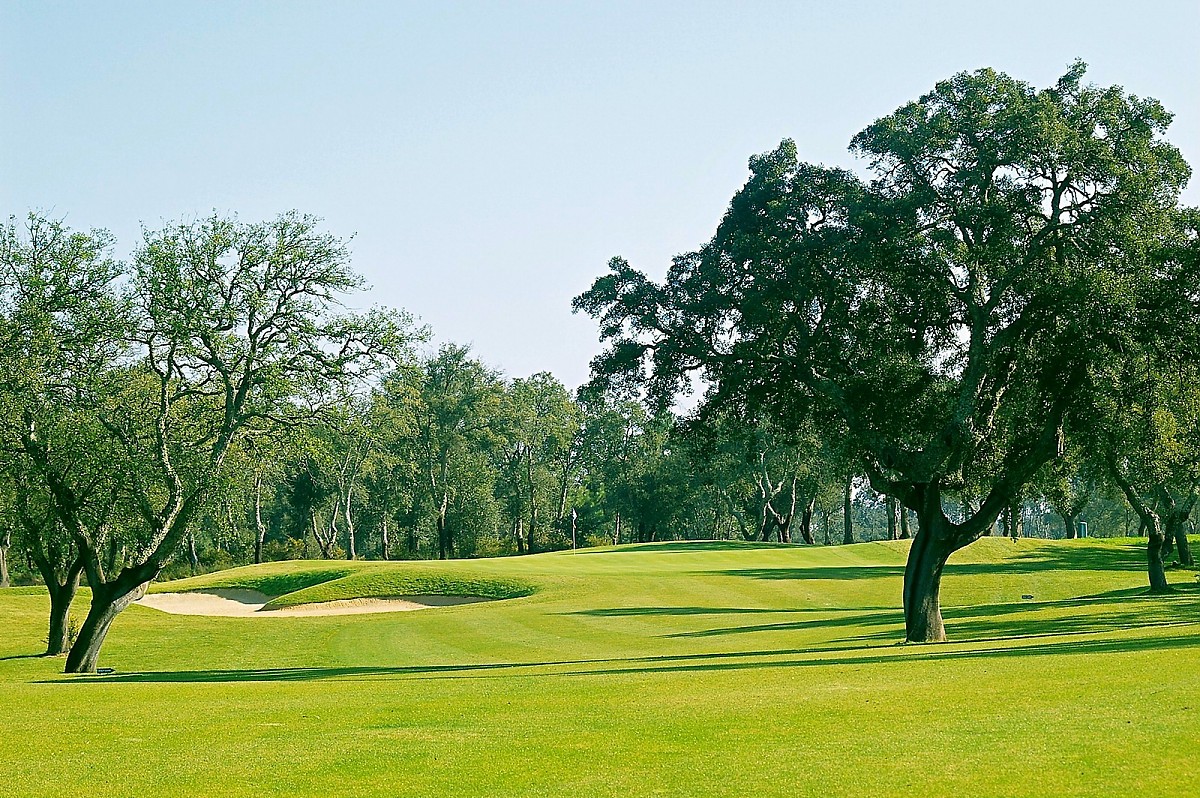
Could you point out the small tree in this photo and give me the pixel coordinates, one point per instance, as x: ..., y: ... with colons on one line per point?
x: 233, y: 328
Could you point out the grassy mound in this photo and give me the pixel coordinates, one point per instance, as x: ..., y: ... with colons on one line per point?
x: 294, y: 583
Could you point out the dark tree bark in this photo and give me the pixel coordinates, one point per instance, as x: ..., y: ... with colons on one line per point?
x: 847, y: 512
x: 443, y: 533
x: 1154, y: 558
x: 892, y: 526
x: 193, y: 558
x: 1176, y: 534
x: 1070, y: 527
x: 922, y: 584
x: 519, y: 534
x: 58, y: 641
x: 936, y: 539
x: 108, y: 600
x: 60, y: 565
x: 62, y: 589
x: 1184, y: 546
x: 1012, y: 520
x: 806, y: 518
x: 905, y: 534
x: 766, y: 526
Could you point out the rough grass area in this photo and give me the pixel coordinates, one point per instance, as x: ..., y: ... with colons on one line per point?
x: 294, y: 583
x: 716, y: 669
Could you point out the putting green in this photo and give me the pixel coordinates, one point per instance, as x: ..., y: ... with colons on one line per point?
x: 680, y: 669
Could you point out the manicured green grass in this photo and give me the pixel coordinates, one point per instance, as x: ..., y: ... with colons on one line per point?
x: 293, y: 583
x: 715, y: 669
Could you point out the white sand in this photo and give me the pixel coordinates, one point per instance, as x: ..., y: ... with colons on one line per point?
x: 234, y: 602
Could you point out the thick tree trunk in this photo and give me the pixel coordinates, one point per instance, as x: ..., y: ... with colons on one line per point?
x: 892, y: 525
x: 108, y: 600
x: 923, y: 580
x: 847, y: 514
x: 1070, y: 529
x: 905, y: 534
x: 785, y: 529
x: 1184, y: 547
x: 1154, y: 559
x: 1176, y: 536
x: 767, y: 525
x: 806, y: 518
x: 58, y: 641
x: 62, y: 593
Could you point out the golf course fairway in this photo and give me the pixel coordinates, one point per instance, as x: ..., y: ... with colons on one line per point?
x: 673, y: 669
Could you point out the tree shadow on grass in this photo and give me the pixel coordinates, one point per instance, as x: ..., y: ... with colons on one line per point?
x: 926, y: 653
x: 619, y: 612
x: 1046, y: 558
x: 831, y: 656
x: 1134, y: 609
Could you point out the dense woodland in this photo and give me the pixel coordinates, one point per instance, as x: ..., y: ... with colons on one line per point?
x: 994, y: 331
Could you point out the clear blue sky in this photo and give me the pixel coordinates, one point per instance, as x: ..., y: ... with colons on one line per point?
x: 490, y: 158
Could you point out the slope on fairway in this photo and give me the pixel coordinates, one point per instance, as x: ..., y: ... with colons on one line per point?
x: 664, y: 669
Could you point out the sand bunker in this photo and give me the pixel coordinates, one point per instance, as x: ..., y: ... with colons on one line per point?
x: 234, y: 602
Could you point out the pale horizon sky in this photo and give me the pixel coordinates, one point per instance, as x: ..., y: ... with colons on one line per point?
x: 489, y: 158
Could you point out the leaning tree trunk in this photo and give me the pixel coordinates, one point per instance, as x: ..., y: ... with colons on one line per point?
x: 108, y: 600
x: 765, y: 528
x: 923, y: 581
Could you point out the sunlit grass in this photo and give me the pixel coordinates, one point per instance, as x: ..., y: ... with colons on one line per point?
x: 667, y: 669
